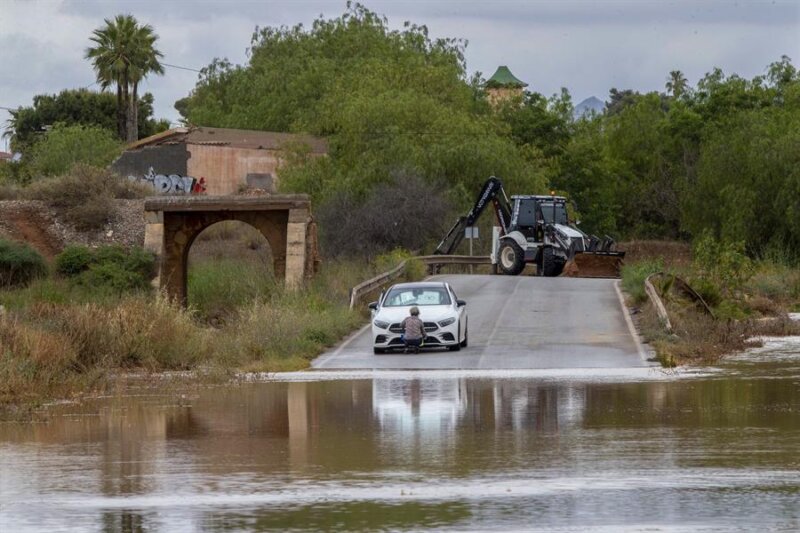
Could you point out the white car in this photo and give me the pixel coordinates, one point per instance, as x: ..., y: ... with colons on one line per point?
x: 444, y: 315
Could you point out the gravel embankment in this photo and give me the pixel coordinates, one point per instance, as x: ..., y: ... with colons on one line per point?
x: 40, y: 226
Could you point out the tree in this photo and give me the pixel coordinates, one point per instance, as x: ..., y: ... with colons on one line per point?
x: 537, y: 122
x: 676, y: 83
x: 124, y: 54
x: 71, y: 107
x: 388, y: 101
x: 618, y: 100
x: 63, y: 146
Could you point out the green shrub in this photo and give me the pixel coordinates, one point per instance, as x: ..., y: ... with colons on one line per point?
x: 19, y: 264
x: 708, y: 290
x: 730, y: 310
x: 634, y: 274
x: 112, y: 276
x: 64, y: 146
x: 724, y: 262
x: 108, y: 267
x: 73, y: 260
x: 119, y: 269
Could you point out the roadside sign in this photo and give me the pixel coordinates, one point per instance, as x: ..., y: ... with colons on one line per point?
x: 471, y: 232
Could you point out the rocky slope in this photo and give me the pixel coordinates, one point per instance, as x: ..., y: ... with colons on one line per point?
x: 38, y: 225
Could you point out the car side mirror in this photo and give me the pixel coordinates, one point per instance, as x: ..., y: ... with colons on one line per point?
x: 373, y: 306
x: 461, y: 303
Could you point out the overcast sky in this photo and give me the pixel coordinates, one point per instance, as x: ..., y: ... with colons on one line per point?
x: 585, y: 46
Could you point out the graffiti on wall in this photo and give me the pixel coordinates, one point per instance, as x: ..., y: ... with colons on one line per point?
x: 171, y: 184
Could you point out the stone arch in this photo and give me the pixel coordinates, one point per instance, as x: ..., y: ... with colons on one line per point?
x: 285, y: 221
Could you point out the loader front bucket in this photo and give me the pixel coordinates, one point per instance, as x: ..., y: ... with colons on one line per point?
x: 594, y: 265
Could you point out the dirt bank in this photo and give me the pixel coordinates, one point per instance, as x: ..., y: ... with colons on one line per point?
x: 40, y: 226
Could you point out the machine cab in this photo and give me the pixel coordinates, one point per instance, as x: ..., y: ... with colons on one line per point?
x: 532, y: 213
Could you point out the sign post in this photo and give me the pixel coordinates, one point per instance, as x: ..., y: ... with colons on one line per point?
x: 471, y: 232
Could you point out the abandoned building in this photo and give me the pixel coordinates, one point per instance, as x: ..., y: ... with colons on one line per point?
x: 215, y: 161
x: 503, y: 85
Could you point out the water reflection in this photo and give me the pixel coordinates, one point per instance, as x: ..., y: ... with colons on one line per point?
x: 408, y: 453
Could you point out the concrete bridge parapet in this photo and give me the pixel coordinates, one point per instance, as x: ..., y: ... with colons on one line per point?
x: 172, y: 224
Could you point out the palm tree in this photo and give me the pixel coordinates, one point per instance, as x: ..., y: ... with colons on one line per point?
x: 146, y: 62
x: 676, y: 83
x: 123, y: 55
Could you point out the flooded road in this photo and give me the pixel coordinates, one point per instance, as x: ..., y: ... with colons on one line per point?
x: 517, y: 322
x: 629, y: 449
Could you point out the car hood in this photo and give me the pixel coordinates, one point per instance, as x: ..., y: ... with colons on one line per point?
x: 427, y: 313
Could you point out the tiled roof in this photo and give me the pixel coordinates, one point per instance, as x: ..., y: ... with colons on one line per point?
x: 503, y: 78
x: 264, y: 140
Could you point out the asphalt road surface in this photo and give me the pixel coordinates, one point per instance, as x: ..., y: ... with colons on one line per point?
x: 518, y: 322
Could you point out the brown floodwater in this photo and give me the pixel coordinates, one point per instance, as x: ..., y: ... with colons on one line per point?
x: 630, y: 449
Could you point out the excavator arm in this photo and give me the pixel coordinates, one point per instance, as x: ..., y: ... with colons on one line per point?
x: 492, y: 192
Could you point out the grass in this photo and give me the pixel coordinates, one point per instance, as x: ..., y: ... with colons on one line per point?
x: 50, y: 349
x: 756, y: 308
x: 217, y: 289
x: 633, y: 276
x: 60, y: 337
x: 19, y: 264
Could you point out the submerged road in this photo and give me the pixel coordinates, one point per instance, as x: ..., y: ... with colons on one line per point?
x: 518, y: 322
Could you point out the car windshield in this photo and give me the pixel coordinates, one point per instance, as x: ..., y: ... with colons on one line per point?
x: 401, y: 296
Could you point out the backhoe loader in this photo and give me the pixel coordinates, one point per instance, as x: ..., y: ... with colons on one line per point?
x: 536, y: 229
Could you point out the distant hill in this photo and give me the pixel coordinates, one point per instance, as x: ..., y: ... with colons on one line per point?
x: 590, y: 104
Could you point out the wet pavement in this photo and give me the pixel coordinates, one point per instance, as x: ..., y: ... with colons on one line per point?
x: 519, y: 322
x: 559, y: 450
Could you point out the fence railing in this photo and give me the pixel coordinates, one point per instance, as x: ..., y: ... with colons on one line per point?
x: 661, y: 310
x: 431, y: 261
x: 683, y: 287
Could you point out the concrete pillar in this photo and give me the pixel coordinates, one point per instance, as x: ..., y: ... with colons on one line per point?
x: 154, y: 239
x: 296, y: 247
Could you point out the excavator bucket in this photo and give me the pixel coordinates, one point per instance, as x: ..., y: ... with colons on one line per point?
x: 594, y: 265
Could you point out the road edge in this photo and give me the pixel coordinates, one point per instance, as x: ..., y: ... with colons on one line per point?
x: 320, y: 360
x: 637, y: 339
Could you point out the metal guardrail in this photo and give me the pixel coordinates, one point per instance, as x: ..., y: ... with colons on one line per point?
x: 661, y: 310
x: 358, y: 292
x: 681, y: 285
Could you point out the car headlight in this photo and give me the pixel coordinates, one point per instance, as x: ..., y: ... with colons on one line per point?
x: 381, y: 324
x: 446, y: 322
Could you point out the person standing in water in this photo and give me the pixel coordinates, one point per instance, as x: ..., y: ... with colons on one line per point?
x: 413, y: 331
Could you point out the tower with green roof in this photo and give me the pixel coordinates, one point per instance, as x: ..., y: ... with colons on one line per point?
x: 503, y: 85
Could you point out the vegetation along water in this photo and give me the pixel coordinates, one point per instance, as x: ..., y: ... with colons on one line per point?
x: 412, y: 134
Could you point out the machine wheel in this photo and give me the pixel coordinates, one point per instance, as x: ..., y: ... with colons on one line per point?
x: 512, y: 258
x: 378, y: 351
x: 464, y: 343
x: 551, y: 266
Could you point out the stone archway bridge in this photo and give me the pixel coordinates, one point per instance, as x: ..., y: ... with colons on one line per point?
x: 173, y: 223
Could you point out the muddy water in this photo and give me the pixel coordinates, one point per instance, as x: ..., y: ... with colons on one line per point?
x: 619, y: 450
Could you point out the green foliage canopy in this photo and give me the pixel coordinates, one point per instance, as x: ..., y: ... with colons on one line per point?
x: 64, y: 146
x: 123, y: 54
x: 723, y: 157
x: 720, y: 156
x: 387, y: 100
x: 73, y: 107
